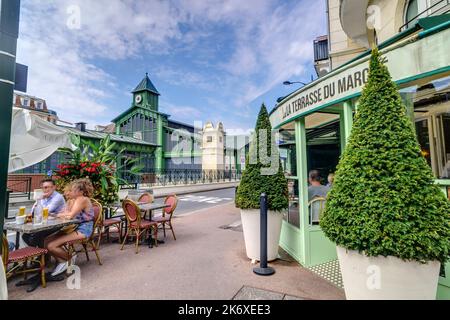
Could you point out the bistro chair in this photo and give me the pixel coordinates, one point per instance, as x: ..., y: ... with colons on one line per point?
x: 21, y: 258
x: 316, y: 207
x: 135, y: 225
x: 167, y: 214
x: 70, y: 246
x: 105, y: 227
x: 146, y: 197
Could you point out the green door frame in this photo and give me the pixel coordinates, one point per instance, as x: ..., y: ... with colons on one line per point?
x: 302, y: 178
x: 9, y: 32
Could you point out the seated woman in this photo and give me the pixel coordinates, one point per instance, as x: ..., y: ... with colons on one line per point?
x: 80, y: 208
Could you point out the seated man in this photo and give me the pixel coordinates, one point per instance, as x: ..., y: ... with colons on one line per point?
x: 55, y: 203
x: 316, y: 189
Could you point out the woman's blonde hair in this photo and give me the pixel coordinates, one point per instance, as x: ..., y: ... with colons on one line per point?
x: 84, y: 185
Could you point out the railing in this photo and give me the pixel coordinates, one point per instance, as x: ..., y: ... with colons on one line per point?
x: 431, y: 10
x: 19, y: 187
x: 184, y: 177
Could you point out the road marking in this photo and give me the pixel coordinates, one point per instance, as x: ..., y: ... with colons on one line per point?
x: 198, y: 210
x: 200, y: 199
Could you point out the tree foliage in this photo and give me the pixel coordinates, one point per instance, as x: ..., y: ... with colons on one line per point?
x: 99, y: 163
x: 384, y: 201
x: 253, y: 181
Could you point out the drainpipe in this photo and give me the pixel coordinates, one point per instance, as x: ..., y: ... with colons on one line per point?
x: 9, y: 32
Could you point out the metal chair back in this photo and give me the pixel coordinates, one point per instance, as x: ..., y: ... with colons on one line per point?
x: 316, y: 207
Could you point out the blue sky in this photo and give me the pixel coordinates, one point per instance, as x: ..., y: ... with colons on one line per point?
x: 210, y: 60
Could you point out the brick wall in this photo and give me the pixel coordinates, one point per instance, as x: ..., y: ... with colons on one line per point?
x: 18, y: 182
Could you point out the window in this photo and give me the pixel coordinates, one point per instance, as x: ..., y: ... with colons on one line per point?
x: 220, y: 139
x: 39, y: 105
x: 417, y: 9
x: 209, y: 139
x: 26, y: 102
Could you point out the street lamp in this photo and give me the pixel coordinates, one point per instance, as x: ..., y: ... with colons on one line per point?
x: 288, y: 83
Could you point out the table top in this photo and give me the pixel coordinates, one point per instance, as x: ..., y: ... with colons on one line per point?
x: 33, y: 228
x: 152, y: 206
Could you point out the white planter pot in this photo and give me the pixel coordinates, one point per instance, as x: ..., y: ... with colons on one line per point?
x: 387, y: 278
x: 251, y: 227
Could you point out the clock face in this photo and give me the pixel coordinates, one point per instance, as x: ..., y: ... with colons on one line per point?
x: 138, y: 99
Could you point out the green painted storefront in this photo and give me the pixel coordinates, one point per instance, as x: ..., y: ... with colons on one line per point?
x: 317, y: 119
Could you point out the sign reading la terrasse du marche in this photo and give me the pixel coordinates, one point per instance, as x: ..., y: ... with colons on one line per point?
x: 419, y: 57
x: 333, y: 88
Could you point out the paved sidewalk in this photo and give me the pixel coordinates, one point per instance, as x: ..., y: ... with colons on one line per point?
x: 207, y: 261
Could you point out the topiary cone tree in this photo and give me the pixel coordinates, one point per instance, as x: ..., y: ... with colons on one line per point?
x: 254, y: 181
x: 384, y: 201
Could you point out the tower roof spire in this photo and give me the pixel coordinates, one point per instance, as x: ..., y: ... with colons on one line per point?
x: 146, y: 85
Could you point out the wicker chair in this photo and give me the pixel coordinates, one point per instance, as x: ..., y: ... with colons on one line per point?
x: 20, y: 258
x: 135, y: 225
x: 70, y: 246
x: 166, y: 217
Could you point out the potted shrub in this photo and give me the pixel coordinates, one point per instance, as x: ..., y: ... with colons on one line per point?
x: 390, y: 222
x: 257, y: 179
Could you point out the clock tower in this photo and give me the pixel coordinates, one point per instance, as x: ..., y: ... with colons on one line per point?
x: 145, y: 95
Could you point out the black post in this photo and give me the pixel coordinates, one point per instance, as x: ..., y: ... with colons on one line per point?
x: 9, y: 32
x: 263, y: 270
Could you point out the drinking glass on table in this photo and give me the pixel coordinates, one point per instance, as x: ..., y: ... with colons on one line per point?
x: 21, y: 211
x: 45, y: 214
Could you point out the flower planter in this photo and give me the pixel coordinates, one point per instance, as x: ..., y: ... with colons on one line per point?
x: 387, y: 278
x: 251, y: 228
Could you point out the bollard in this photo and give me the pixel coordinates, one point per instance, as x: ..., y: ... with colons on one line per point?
x: 263, y: 269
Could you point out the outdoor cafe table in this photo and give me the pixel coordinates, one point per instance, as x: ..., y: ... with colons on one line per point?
x: 29, y: 228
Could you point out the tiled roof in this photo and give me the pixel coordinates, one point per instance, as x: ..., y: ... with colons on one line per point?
x: 146, y: 85
x: 101, y: 135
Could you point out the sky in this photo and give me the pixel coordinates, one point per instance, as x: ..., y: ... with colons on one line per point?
x: 210, y: 60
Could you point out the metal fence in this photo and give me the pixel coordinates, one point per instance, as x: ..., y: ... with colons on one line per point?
x: 19, y: 187
x: 183, y: 177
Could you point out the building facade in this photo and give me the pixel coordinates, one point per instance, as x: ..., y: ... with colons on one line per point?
x: 163, y: 145
x: 315, y: 121
x: 36, y: 106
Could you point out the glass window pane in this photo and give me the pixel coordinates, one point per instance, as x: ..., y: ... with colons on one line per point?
x: 292, y: 215
x: 431, y: 104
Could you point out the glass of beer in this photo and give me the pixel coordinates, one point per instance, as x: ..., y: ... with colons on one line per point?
x: 21, y: 211
x: 45, y: 214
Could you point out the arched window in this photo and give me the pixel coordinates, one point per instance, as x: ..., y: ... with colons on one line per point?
x: 412, y: 10
x: 417, y: 9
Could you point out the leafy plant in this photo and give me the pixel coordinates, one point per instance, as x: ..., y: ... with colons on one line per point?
x: 253, y: 182
x: 99, y: 164
x: 384, y: 201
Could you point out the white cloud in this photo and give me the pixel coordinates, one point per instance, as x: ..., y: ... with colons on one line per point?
x: 269, y: 42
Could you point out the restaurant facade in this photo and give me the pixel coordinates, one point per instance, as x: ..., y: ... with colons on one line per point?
x: 315, y: 121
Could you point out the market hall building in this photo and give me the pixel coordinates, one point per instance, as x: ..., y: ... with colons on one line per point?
x: 315, y: 121
x: 163, y: 145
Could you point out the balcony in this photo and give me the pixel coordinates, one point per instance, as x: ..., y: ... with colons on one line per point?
x: 321, y: 58
x: 321, y: 48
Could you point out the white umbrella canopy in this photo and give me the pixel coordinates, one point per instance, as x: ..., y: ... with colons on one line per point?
x: 33, y: 139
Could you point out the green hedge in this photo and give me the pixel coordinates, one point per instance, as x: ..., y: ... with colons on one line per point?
x: 384, y: 201
x: 253, y: 183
